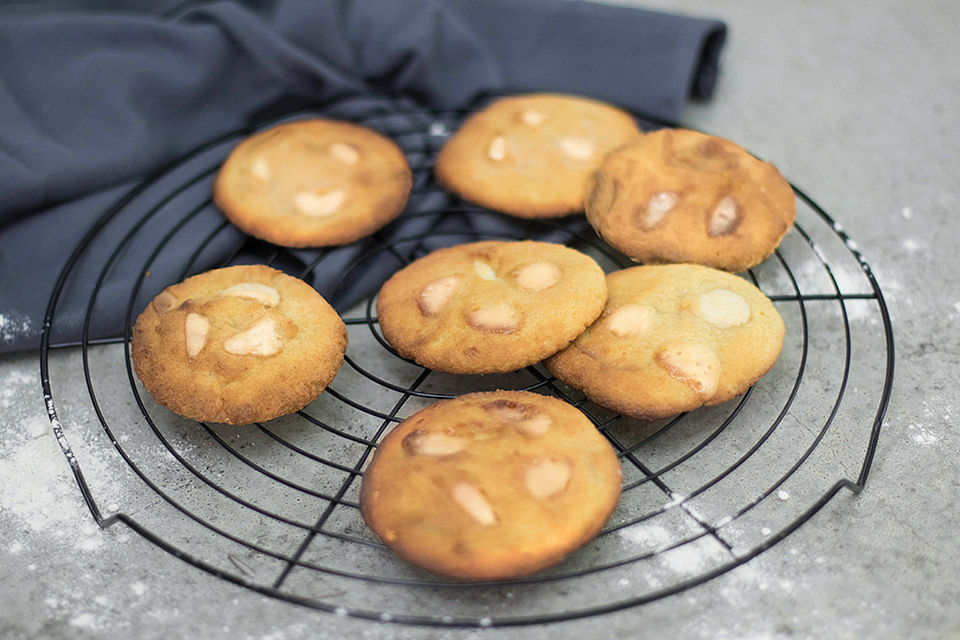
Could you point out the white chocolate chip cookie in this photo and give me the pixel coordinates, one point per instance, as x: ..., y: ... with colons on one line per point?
x: 237, y: 345
x: 682, y: 196
x: 490, y: 307
x: 673, y: 338
x: 490, y: 485
x: 530, y: 156
x: 313, y: 183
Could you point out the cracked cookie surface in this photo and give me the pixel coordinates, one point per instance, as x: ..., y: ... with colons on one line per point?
x: 313, y: 183
x: 490, y: 485
x: 490, y: 307
x: 530, y: 155
x: 237, y: 345
x: 682, y: 196
x: 672, y: 338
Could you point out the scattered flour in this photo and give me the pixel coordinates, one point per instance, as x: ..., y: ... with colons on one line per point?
x: 649, y: 537
x: 923, y: 436
x: 86, y: 621
x: 937, y: 417
x: 906, y: 213
x: 38, y: 488
x: 694, y: 557
x: 911, y: 245
x: 686, y: 560
x: 35, y: 477
x: 13, y: 326
x: 14, y: 385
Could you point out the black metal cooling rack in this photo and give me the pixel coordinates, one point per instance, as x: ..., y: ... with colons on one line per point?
x: 284, y: 523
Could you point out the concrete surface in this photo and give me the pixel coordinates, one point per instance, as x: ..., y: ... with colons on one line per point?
x: 856, y: 103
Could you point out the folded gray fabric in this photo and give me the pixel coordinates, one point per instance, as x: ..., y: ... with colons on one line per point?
x: 94, y: 101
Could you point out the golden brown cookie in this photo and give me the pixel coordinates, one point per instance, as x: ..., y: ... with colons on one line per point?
x: 237, y: 345
x: 672, y: 338
x: 531, y: 155
x: 490, y: 307
x: 682, y: 196
x: 490, y: 485
x: 313, y: 183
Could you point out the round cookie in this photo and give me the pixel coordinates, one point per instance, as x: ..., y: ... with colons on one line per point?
x: 490, y: 307
x: 490, y: 485
x: 682, y: 196
x: 531, y: 155
x: 237, y: 345
x: 672, y: 338
x: 313, y: 183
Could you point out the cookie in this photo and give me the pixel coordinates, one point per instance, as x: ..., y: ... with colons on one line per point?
x: 672, y: 338
x: 682, y: 196
x: 237, y: 345
x: 530, y: 156
x: 490, y: 485
x: 491, y: 306
x: 313, y: 183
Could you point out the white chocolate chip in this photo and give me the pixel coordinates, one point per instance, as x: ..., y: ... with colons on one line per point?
x: 497, y: 150
x: 264, y: 294
x: 164, y: 302
x: 262, y: 339
x: 630, y: 320
x: 345, y: 153
x: 195, y: 329
x: 484, y: 270
x: 317, y: 205
x: 693, y: 364
x: 577, y: 148
x: 474, y: 503
x: 433, y: 443
x: 725, y: 217
x: 525, y: 418
x: 260, y: 169
x: 535, y: 425
x: 499, y: 319
x: 657, y: 207
x: 539, y: 276
x: 507, y: 410
x: 532, y: 118
x: 435, y: 295
x: 722, y: 308
x: 546, y: 478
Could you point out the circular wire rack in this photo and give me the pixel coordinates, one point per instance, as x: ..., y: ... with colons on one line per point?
x: 273, y: 507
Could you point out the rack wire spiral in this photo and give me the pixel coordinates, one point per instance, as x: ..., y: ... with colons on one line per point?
x: 273, y: 507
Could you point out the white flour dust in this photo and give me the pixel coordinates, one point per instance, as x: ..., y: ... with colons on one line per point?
x: 686, y: 560
x: 38, y: 488
x: 648, y: 537
x: 924, y: 437
x: 926, y: 433
x: 43, y: 513
x: 910, y: 245
x: 14, y: 385
x: 12, y: 326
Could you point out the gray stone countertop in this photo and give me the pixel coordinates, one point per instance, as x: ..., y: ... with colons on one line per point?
x: 857, y: 105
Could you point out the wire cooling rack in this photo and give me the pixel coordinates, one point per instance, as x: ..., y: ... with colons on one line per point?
x: 273, y: 507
